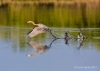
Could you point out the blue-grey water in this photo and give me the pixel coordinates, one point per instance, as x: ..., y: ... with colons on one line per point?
x: 75, y: 55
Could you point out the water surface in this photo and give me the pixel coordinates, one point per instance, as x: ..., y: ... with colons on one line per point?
x: 61, y: 56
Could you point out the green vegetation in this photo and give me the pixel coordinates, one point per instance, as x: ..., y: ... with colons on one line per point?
x: 85, y: 16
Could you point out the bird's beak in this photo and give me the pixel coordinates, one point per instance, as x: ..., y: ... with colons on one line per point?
x: 27, y: 21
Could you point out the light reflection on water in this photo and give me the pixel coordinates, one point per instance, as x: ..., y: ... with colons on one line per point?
x: 60, y: 56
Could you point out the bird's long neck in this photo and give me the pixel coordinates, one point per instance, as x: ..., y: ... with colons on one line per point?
x: 51, y: 33
x: 34, y: 23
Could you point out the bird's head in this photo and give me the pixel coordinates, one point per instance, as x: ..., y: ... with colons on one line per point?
x: 30, y: 22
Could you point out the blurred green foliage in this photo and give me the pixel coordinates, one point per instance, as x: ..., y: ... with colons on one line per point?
x: 54, y: 16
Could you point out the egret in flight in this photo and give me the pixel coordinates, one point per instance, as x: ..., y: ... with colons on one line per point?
x: 40, y: 28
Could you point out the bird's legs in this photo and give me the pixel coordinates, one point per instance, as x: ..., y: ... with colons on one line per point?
x: 51, y: 33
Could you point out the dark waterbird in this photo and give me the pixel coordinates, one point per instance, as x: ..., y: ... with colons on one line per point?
x: 40, y: 28
x: 67, y: 37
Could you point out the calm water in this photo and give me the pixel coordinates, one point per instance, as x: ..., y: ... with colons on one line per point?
x: 73, y: 55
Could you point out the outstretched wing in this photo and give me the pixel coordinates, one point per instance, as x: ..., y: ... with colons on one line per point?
x: 36, y: 31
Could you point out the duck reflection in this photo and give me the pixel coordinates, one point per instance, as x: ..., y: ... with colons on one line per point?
x: 39, y: 47
x: 80, y: 45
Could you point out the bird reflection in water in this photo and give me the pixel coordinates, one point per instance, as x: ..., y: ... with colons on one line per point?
x: 80, y: 44
x: 39, y: 47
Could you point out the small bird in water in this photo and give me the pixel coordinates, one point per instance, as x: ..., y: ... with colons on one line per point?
x: 67, y: 37
x: 40, y: 28
x: 81, y: 36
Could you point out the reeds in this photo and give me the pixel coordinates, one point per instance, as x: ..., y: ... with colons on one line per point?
x: 49, y: 2
x: 4, y: 2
